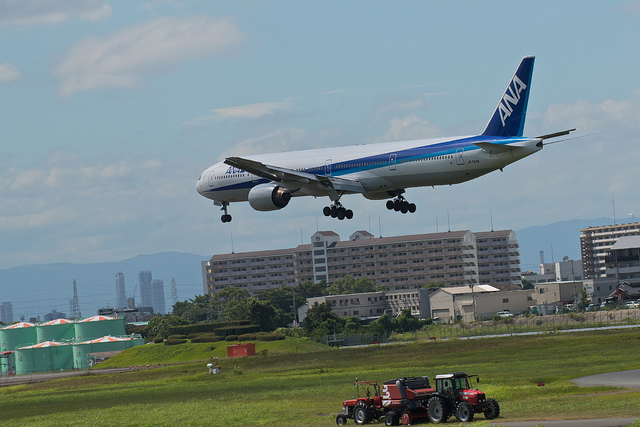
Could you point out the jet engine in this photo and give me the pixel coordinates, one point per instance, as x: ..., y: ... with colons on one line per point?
x: 268, y: 197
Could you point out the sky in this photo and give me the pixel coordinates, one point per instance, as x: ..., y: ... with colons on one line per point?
x: 112, y: 109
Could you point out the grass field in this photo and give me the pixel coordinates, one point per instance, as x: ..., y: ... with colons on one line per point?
x: 300, y: 383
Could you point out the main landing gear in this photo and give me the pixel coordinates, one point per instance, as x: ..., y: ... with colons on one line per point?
x: 337, y: 211
x: 399, y: 204
x: 225, y: 217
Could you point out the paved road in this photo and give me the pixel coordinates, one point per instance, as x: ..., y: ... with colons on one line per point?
x: 626, y: 379
x: 604, y: 422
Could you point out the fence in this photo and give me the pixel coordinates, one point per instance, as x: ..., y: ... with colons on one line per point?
x: 515, y: 325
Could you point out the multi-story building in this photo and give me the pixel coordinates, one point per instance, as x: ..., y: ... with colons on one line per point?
x: 121, y: 297
x: 397, y: 263
x: 157, y: 296
x: 371, y: 305
x: 565, y: 271
x: 6, y: 312
x: 498, y: 258
x: 595, y: 243
x: 623, y: 261
x: 146, y: 292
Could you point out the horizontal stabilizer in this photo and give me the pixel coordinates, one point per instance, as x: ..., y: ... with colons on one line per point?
x: 556, y: 134
x: 491, y: 148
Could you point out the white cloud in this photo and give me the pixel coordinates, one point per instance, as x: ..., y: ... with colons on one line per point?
x: 83, y: 210
x: 251, y: 111
x: 122, y: 59
x: 38, y: 12
x: 610, y: 114
x: 9, y: 73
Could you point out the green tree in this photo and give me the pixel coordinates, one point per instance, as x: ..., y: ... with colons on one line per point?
x: 381, y: 325
x: 321, y: 321
x: 407, y: 322
x: 350, y: 285
x: 159, y: 325
x: 194, y: 310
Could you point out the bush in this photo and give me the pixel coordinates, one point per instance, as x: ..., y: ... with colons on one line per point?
x: 174, y: 341
x: 206, y: 327
x: 231, y: 338
x: 261, y: 336
x: 195, y: 335
x: 206, y: 338
x: 177, y: 337
x: 158, y: 340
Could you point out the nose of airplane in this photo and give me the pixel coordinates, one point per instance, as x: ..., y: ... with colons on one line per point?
x: 200, y: 184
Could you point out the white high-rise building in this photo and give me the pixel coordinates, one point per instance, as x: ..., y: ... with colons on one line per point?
x: 6, y: 312
x: 121, y: 297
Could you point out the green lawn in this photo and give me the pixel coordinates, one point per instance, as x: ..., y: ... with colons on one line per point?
x: 300, y: 383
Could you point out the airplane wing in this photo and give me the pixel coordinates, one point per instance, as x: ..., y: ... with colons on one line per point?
x: 294, y: 180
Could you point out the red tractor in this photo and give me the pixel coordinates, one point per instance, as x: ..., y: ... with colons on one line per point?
x: 401, y: 400
x: 410, y: 400
x: 454, y: 396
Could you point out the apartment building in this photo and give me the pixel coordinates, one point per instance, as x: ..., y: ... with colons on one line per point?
x: 397, y: 263
x: 596, y: 242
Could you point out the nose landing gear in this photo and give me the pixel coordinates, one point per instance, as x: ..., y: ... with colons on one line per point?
x: 337, y: 211
x: 399, y: 204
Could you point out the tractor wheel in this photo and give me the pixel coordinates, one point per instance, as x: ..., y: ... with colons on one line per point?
x: 391, y: 418
x: 492, y: 410
x: 361, y: 413
x: 437, y: 410
x: 341, y: 420
x: 464, y: 412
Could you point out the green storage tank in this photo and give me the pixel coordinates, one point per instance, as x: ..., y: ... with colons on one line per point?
x: 17, y: 335
x: 98, y: 326
x: 48, y: 356
x: 56, y: 330
x: 106, y: 343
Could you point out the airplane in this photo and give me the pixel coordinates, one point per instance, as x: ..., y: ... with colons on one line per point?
x: 381, y: 171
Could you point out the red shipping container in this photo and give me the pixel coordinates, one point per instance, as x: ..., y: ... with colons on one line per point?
x: 241, y: 350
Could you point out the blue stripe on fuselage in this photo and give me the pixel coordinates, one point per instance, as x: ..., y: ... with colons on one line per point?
x: 410, y: 154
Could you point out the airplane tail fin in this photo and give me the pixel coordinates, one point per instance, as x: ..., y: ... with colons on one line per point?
x: 508, y: 117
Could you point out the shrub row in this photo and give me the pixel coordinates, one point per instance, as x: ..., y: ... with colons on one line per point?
x: 174, y: 341
x: 205, y: 327
x: 261, y: 336
x: 206, y: 337
x: 236, y: 330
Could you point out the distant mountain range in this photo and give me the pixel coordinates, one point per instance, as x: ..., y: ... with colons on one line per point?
x: 556, y: 240
x: 35, y: 290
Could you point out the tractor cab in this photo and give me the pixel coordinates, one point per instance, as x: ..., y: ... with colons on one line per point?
x: 456, y: 388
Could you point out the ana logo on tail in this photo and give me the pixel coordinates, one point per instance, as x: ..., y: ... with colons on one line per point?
x: 510, y: 97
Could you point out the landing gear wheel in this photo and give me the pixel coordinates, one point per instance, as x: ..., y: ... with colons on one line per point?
x: 341, y: 420
x: 492, y: 410
x: 362, y: 413
x: 226, y: 218
x: 464, y: 412
x: 337, y: 211
x: 412, y: 207
x: 391, y: 418
x: 390, y: 204
x: 437, y: 410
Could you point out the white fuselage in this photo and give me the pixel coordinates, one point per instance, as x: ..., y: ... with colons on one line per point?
x: 384, y: 170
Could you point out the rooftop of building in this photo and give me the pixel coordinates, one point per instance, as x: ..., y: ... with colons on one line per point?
x: 626, y: 242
